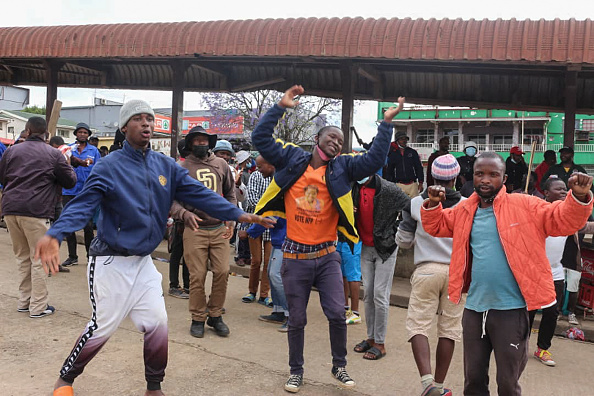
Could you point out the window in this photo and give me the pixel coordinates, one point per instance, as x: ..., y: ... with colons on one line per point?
x: 533, y: 135
x: 62, y: 132
x: 11, y: 130
x: 452, y: 134
x: 478, y: 139
x: 425, y: 136
x: 502, y: 139
x: 588, y: 125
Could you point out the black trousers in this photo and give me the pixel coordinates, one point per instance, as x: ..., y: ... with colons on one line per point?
x: 505, y: 333
x: 548, y: 322
x: 176, y: 258
x: 71, y: 238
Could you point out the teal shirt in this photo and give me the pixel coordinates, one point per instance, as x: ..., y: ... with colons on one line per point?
x: 493, y: 285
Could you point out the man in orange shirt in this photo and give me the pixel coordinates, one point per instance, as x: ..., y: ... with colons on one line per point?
x: 313, y: 192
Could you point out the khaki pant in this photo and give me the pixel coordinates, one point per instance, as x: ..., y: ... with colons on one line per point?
x: 256, y: 251
x: 24, y: 233
x: 200, y: 247
x: 412, y: 190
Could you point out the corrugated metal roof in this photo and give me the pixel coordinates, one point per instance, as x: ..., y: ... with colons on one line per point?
x: 516, y: 64
x: 566, y: 41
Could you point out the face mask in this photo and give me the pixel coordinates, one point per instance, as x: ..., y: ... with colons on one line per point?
x: 470, y: 151
x: 363, y: 181
x: 323, y: 155
x: 200, y: 151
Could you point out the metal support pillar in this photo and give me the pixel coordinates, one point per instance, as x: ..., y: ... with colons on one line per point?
x: 51, y: 72
x: 461, y: 139
x: 516, y: 133
x: 348, y: 74
x: 436, y: 136
x: 177, y: 105
x: 409, y: 132
x: 570, y: 108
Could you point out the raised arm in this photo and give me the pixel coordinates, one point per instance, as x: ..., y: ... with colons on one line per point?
x: 274, y: 150
x: 568, y: 216
x: 436, y: 221
x: 370, y: 162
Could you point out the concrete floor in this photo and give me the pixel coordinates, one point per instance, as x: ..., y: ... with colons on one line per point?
x: 251, y: 361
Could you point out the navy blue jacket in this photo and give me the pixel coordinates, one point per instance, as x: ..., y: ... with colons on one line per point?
x: 277, y: 234
x: 292, y: 161
x: 404, y: 169
x: 135, y: 191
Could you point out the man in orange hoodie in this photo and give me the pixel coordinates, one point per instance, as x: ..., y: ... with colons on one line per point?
x: 499, y: 258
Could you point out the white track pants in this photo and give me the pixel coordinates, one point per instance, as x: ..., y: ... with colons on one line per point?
x: 121, y: 287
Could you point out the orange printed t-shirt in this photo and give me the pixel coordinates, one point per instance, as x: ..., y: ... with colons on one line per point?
x: 311, y: 216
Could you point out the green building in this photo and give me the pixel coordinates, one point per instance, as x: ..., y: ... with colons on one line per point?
x: 493, y: 130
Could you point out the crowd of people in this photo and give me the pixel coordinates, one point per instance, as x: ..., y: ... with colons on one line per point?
x: 493, y: 243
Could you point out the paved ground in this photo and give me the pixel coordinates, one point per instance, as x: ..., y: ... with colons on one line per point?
x: 252, y: 361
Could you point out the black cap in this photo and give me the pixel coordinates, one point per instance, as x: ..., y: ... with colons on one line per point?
x: 82, y: 125
x: 400, y: 135
x: 566, y: 148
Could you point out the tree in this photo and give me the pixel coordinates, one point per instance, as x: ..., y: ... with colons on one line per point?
x: 35, y: 110
x: 297, y: 126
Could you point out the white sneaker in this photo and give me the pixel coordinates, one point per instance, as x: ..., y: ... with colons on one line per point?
x: 572, y: 319
x: 352, y: 318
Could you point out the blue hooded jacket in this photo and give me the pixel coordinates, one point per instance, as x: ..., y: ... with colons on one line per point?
x: 135, y: 190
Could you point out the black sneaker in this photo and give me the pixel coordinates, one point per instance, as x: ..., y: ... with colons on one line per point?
x: 275, y: 317
x: 197, y: 329
x: 70, y: 261
x: 218, y: 326
x: 23, y: 309
x: 343, y: 377
x: 294, y: 383
x: 47, y: 311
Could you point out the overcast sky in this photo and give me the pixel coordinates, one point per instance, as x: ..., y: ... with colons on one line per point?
x: 80, y: 12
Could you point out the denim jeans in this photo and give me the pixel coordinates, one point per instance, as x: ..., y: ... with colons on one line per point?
x: 277, y: 289
x: 298, y: 278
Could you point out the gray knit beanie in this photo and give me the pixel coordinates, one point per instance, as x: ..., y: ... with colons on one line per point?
x: 133, y: 107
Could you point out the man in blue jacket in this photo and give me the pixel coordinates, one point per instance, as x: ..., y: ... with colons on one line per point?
x: 84, y: 157
x: 313, y: 192
x: 135, y: 188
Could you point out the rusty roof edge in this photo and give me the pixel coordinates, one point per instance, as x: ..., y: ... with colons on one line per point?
x: 138, y: 40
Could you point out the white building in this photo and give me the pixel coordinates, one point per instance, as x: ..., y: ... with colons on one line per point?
x: 12, y: 123
x: 13, y: 98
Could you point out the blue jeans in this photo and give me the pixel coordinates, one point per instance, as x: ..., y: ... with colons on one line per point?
x: 298, y: 278
x: 277, y: 290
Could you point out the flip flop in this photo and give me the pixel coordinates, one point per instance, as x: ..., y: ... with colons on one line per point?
x: 376, y: 353
x: 248, y: 298
x: 363, y: 346
x: 64, y: 391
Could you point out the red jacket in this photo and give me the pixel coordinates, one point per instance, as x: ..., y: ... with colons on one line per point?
x: 523, y: 223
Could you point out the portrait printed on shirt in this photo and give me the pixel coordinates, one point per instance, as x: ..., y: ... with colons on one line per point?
x: 309, y: 207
